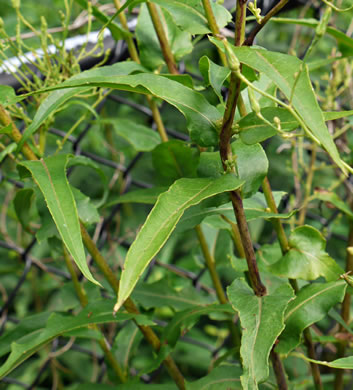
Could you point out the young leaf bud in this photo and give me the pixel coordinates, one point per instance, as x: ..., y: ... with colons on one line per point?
x: 233, y: 62
x: 253, y: 102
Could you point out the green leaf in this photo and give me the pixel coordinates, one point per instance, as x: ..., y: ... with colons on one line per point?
x: 26, y: 325
x: 98, y: 312
x: 281, y: 69
x: 332, y: 115
x: 87, y: 212
x: 9, y: 149
x: 307, y: 258
x: 201, y: 116
x: 189, y: 15
x: 7, y: 95
x: 161, y: 294
x: 161, y: 222
x: 223, y: 377
x: 124, y: 386
x: 173, y: 160
x: 184, y: 320
x: 126, y: 343
x: 59, y: 97
x: 7, y: 129
x: 311, y: 304
x: 251, y: 165
x: 343, y: 363
x: 22, y: 203
x: 214, y: 75
x: 140, y: 137
x: 116, y: 31
x: 262, y: 321
x: 144, y: 196
x: 333, y: 198
x: 149, y: 47
x: 49, y: 174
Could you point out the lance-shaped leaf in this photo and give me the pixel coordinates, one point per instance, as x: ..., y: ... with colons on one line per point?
x: 201, y: 116
x: 262, y: 321
x: 98, y: 312
x: 291, y: 76
x: 224, y: 377
x: 161, y: 222
x: 333, y: 198
x: 50, y: 176
x: 307, y: 258
x: 311, y: 304
x: 343, y: 363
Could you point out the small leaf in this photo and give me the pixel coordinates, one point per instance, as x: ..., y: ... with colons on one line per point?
x: 49, y: 175
x: 223, y: 377
x: 343, y: 363
x: 7, y: 129
x: 184, y: 320
x: 311, y: 304
x: 161, y: 222
x: 9, y: 149
x: 7, y: 95
x: 262, y: 321
x: 251, y: 165
x: 98, y: 312
x: 307, y: 258
x: 214, y: 75
x: 173, y: 160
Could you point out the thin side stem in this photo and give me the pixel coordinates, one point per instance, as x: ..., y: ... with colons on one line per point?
x: 250, y: 39
x: 162, y: 37
x: 129, y: 305
x: 236, y: 237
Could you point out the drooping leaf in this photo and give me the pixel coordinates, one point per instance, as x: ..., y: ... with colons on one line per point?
x: 161, y: 294
x: 201, y: 116
x: 173, y: 160
x: 309, y: 306
x: 161, y: 222
x: 251, y: 166
x: 223, y: 377
x: 184, y: 320
x: 281, y: 69
x: 59, y: 97
x: 142, y: 138
x: 214, y: 75
x: 262, y: 320
x: 9, y: 149
x: 149, y: 48
x: 94, y: 313
x: 50, y: 176
x: 307, y: 258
